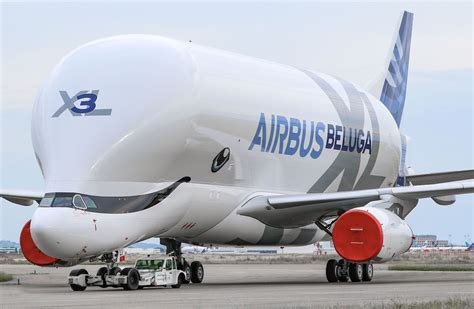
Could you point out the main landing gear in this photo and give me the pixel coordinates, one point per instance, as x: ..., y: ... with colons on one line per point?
x: 194, y: 271
x: 343, y: 270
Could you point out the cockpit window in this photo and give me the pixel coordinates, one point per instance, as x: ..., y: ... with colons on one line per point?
x: 62, y: 201
x: 89, y: 202
x: 109, y: 204
x: 78, y: 202
x: 46, y: 201
x: 83, y: 202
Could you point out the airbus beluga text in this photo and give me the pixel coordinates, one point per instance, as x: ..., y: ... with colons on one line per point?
x: 140, y: 136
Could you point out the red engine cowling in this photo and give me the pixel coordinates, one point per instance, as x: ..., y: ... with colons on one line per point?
x: 31, y: 252
x: 371, y: 234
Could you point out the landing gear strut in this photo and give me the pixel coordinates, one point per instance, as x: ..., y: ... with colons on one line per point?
x: 342, y: 270
x: 194, y: 271
x: 111, y: 268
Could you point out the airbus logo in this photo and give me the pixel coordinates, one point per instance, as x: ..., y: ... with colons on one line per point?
x: 292, y: 136
x: 86, y: 104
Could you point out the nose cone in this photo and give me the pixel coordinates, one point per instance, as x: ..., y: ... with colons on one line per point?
x: 31, y: 252
x: 52, y: 235
x: 75, y: 235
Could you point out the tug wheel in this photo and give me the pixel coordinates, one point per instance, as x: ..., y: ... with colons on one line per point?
x: 133, y: 278
x: 180, y: 281
x: 77, y: 272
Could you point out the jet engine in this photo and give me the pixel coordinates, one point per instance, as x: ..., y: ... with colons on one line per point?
x: 371, y: 234
x: 33, y: 254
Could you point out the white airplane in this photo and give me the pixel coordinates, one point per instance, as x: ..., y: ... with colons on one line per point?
x: 140, y: 136
x: 185, y: 248
x: 425, y: 248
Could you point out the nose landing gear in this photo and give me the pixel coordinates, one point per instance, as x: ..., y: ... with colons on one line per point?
x: 109, y: 270
x: 342, y: 271
x: 112, y: 270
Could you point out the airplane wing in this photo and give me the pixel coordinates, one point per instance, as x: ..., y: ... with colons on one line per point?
x: 426, y: 179
x: 290, y: 211
x: 22, y: 197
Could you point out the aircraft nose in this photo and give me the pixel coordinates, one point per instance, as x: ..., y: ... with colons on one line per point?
x: 52, y: 235
x: 30, y: 251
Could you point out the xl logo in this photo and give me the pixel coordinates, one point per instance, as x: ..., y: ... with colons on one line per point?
x: 87, y: 104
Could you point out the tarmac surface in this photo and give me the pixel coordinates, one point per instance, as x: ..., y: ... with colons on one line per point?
x: 231, y: 285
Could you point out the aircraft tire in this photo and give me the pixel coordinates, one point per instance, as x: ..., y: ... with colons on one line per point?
x: 355, y: 272
x: 114, y: 271
x: 332, y: 269
x: 197, y: 272
x: 187, y: 271
x: 102, y: 272
x: 367, y: 272
x: 342, y: 276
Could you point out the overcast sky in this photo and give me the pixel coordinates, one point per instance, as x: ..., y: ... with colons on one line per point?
x: 350, y: 40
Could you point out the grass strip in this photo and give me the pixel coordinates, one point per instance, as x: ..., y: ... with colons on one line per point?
x: 5, y: 277
x: 461, y: 303
x: 434, y: 304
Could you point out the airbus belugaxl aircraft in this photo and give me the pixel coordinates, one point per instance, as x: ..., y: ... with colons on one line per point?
x: 140, y: 136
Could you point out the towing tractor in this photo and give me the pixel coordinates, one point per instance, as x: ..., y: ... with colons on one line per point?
x: 146, y: 273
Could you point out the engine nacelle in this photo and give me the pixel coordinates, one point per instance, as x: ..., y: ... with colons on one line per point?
x: 371, y: 234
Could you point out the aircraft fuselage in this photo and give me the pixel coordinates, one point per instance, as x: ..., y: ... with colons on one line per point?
x: 122, y: 118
